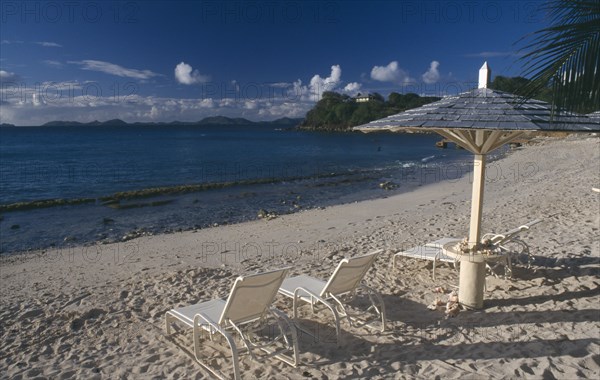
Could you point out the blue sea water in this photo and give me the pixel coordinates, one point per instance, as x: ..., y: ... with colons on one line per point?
x: 299, y: 170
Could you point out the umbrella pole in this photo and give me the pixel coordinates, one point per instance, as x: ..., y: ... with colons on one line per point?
x: 477, y: 200
x: 472, y: 269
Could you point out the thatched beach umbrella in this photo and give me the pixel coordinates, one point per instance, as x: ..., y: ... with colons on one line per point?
x: 481, y: 120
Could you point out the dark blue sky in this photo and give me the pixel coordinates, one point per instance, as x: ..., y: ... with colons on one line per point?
x: 159, y: 60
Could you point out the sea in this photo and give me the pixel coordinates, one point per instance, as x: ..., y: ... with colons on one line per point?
x: 105, y: 184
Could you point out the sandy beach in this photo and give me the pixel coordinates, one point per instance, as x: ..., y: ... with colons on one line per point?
x: 98, y: 312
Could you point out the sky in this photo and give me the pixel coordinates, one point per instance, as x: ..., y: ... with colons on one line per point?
x: 154, y: 61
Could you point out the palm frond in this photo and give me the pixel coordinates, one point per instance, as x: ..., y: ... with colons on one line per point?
x: 566, y: 56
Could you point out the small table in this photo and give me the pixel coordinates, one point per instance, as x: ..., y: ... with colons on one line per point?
x: 452, y: 249
x: 472, y: 272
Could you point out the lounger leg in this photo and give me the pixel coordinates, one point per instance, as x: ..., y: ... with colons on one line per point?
x: 168, y: 320
x: 319, y: 299
x: 529, y: 259
x: 294, y: 359
x: 371, y: 292
x: 508, y: 268
x: 234, y: 352
x: 336, y: 317
x: 382, y: 311
x: 295, y: 306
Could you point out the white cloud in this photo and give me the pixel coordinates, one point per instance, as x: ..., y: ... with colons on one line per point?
x: 49, y: 87
x: 352, y: 87
x: 185, y: 74
x: 52, y: 63
x: 48, y: 44
x: 297, y: 92
x: 207, y: 103
x: 390, y: 73
x: 251, y: 105
x: 280, y: 84
x: 318, y: 85
x: 76, y: 104
x: 285, y: 109
x: 113, y: 69
x: 387, y: 73
x: 235, y: 85
x: 6, y: 74
x: 154, y: 112
x: 227, y: 102
x: 41, y: 43
x: 37, y: 100
x: 77, y: 100
x: 432, y: 75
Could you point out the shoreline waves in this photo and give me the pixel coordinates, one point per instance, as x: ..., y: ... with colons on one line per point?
x: 114, y: 198
x: 124, y: 215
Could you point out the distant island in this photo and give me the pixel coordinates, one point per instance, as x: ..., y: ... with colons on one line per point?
x: 213, y: 120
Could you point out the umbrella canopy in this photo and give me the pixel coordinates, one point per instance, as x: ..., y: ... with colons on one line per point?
x: 487, y: 109
x: 480, y: 121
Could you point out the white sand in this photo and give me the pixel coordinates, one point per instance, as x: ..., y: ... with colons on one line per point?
x: 98, y: 312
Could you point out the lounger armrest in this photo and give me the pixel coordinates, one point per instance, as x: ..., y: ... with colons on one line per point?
x: 308, y: 292
x: 492, y: 236
x: 513, y: 241
x: 213, y: 325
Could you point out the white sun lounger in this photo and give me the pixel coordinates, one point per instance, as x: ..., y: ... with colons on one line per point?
x: 246, y: 311
x: 501, y: 241
x: 434, y: 251
x: 338, y: 291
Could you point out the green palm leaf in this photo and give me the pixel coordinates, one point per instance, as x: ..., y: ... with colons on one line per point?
x: 566, y: 56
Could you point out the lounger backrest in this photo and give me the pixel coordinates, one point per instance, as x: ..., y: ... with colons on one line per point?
x: 510, y: 235
x: 252, y: 295
x: 349, y: 273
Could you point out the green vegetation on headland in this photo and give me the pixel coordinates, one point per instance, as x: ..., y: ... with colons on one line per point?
x: 517, y: 86
x: 522, y: 87
x: 338, y: 112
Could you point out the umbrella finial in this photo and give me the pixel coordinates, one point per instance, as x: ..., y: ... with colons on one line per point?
x: 485, y: 74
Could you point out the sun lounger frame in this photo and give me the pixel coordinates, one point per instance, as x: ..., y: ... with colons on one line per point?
x: 338, y: 291
x: 245, y: 311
